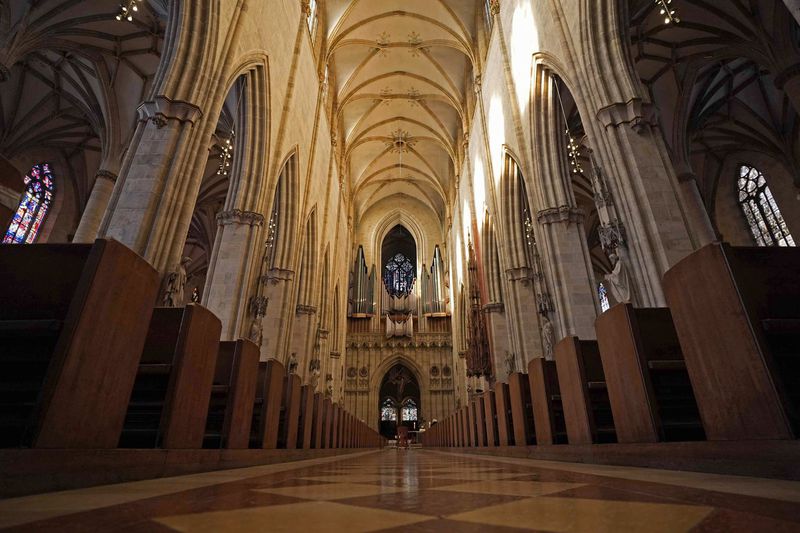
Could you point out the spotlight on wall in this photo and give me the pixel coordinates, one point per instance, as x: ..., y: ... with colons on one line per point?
x: 126, y: 10
x: 667, y: 12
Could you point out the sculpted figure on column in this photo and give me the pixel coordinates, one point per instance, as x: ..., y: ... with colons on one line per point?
x: 548, y: 337
x: 175, y: 283
x: 619, y: 279
x: 511, y: 363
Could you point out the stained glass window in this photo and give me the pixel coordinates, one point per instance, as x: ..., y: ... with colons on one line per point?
x: 759, y: 207
x: 487, y: 13
x: 33, y: 206
x: 388, y: 411
x: 602, y: 293
x: 409, y: 411
x: 399, y: 276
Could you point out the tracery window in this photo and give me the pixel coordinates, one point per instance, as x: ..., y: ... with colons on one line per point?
x: 36, y: 200
x: 399, y: 276
x: 409, y: 411
x: 388, y: 411
x: 487, y: 13
x: 602, y: 294
x: 312, y: 17
x: 759, y: 207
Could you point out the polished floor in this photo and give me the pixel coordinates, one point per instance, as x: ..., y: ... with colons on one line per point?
x: 419, y: 491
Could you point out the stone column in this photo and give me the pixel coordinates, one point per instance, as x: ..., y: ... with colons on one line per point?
x: 151, y: 208
x: 523, y: 315
x: 96, y: 207
x: 278, y: 284
x: 228, y: 281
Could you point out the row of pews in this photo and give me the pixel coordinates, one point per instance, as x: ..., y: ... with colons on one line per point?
x: 86, y: 362
x: 722, y: 363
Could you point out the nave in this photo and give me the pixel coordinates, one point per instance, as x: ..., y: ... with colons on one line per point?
x: 419, y: 491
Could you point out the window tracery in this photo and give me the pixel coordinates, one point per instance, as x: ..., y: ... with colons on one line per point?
x: 33, y: 207
x: 409, y: 411
x: 763, y: 216
x: 399, y: 276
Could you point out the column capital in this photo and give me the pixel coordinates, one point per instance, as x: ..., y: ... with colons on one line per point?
x: 161, y: 110
x: 303, y: 309
x: 277, y: 275
x: 562, y: 213
x: 636, y: 113
x: 494, y: 307
x: 106, y: 174
x: 523, y: 274
x: 239, y: 217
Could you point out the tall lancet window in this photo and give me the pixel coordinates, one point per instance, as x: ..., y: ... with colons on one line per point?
x: 33, y: 206
x: 312, y: 17
x: 487, y: 14
x: 762, y: 213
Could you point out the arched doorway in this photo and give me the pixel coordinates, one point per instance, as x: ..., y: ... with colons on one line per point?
x: 399, y: 401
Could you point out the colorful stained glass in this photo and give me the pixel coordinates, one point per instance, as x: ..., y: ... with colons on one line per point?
x: 388, y: 411
x: 602, y: 294
x: 38, y: 196
x: 760, y: 209
x: 399, y: 276
x: 409, y: 411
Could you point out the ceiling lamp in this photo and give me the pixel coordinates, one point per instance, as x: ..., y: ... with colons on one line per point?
x: 573, y: 150
x: 126, y: 10
x: 667, y: 12
x: 226, y: 156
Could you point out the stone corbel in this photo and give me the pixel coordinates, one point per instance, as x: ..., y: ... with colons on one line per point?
x: 494, y: 307
x: 335, y: 355
x: 462, y: 354
x: 239, y: 217
x: 522, y: 274
x: 323, y: 333
x: 563, y: 213
x: 635, y: 113
x: 161, y: 110
x: 277, y: 275
x: 304, y: 309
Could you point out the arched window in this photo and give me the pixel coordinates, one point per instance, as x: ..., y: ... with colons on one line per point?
x: 312, y: 17
x: 33, y: 207
x: 388, y: 411
x: 399, y: 276
x: 602, y: 294
x: 763, y: 216
x: 487, y: 15
x: 409, y: 411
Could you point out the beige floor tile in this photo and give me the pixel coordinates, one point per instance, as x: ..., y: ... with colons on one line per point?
x: 574, y: 515
x: 477, y: 476
x: 352, y: 478
x: 511, y: 487
x: 332, y: 491
x: 311, y: 516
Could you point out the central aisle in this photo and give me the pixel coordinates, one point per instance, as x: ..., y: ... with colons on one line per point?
x: 416, y: 490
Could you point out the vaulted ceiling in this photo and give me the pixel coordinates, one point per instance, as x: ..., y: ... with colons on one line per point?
x: 401, y: 69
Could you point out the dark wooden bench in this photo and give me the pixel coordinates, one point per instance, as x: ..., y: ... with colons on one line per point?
x: 230, y: 410
x: 480, y: 415
x: 73, y: 320
x: 169, y: 404
x: 737, y: 314
x: 291, y: 412
x: 519, y: 392
x: 505, y: 422
x: 548, y: 413
x: 490, y: 418
x: 584, y: 395
x: 649, y: 387
x: 268, y: 405
x: 306, y: 421
x: 318, y: 421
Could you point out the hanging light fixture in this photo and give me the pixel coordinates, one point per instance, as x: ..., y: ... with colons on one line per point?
x: 227, y: 155
x: 573, y: 150
x: 126, y: 10
x: 667, y: 12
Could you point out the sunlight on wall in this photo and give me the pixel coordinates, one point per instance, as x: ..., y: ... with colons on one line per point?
x: 524, y: 43
x: 478, y: 185
x: 497, y: 135
x: 466, y: 218
x: 459, y: 267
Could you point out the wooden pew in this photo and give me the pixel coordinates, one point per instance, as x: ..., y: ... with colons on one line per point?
x: 230, y: 410
x: 490, y: 418
x: 480, y: 427
x: 548, y: 413
x: 519, y: 392
x: 305, y: 425
x: 505, y: 424
x: 291, y: 412
x: 648, y: 384
x: 336, y: 423
x: 73, y: 321
x: 327, y: 428
x: 465, y: 439
x: 169, y: 404
x: 268, y: 405
x: 317, y: 428
x: 737, y: 316
x: 584, y: 395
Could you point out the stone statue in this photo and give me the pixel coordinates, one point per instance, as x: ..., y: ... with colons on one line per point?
x: 511, y: 363
x: 292, y: 364
x: 195, y: 296
x: 619, y: 282
x: 548, y: 337
x: 314, y: 379
x: 329, y: 386
x: 257, y: 331
x: 176, y: 281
